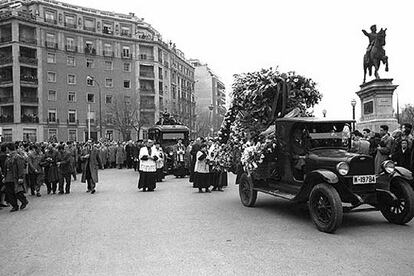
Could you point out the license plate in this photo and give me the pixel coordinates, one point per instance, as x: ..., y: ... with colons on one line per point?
x: 364, y: 179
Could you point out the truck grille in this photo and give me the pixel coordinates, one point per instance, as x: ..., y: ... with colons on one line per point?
x: 361, y: 165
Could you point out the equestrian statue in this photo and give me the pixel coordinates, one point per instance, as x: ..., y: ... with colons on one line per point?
x: 375, y: 51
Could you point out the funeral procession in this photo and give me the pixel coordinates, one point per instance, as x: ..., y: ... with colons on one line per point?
x: 206, y: 138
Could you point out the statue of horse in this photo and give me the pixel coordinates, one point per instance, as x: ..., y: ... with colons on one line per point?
x: 375, y: 55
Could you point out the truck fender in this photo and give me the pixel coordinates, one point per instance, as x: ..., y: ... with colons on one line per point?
x: 327, y: 176
x: 402, y: 173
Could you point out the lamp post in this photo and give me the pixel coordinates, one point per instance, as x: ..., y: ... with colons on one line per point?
x: 353, y: 103
x: 324, y: 113
x: 100, y: 104
x: 211, y: 107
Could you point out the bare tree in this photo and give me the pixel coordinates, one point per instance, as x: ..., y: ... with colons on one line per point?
x: 407, y: 114
x: 125, y: 115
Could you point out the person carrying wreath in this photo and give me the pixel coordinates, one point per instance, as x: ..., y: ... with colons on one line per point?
x: 147, y: 167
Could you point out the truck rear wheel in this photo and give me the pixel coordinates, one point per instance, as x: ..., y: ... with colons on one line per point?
x: 325, y: 207
x: 402, y: 211
x: 248, y: 196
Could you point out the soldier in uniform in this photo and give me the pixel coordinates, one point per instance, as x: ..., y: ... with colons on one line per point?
x: 14, y: 178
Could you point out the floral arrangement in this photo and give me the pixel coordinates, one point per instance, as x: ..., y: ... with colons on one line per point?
x: 253, y: 109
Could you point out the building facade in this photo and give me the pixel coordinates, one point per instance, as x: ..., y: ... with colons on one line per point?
x: 67, y: 71
x: 210, y: 98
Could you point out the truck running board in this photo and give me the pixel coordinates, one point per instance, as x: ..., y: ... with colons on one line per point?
x: 277, y: 193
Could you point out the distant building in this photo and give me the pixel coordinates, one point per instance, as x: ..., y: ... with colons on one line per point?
x: 210, y: 98
x: 57, y: 59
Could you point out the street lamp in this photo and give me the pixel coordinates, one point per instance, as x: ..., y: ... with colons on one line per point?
x: 353, y: 103
x: 324, y: 113
x: 211, y: 107
x: 100, y: 103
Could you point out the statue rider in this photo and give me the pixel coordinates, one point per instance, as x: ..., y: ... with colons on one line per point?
x: 371, y: 36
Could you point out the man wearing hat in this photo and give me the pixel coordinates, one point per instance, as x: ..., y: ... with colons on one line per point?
x: 64, y: 169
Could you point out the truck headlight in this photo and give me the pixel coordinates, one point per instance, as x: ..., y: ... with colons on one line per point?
x: 388, y: 166
x: 342, y: 168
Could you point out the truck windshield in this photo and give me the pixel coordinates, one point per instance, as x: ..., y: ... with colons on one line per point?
x: 328, y: 135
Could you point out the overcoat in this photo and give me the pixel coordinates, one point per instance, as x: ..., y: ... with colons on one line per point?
x: 49, y: 162
x: 120, y: 155
x: 112, y: 154
x: 14, y: 170
x: 91, y: 155
x: 103, y: 154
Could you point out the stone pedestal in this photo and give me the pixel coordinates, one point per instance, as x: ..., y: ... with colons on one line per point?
x: 376, y: 105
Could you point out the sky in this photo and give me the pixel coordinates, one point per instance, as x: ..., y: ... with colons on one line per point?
x: 319, y: 39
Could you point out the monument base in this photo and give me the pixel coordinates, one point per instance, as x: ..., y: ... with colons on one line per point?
x: 376, y: 105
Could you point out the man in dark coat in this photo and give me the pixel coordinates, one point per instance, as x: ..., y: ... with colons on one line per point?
x: 51, y: 169
x: 403, y: 155
x: 90, y: 164
x: 36, y: 175
x: 64, y: 169
x: 14, y: 178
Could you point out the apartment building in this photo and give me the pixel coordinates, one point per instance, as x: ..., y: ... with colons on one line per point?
x: 66, y: 71
x: 210, y: 98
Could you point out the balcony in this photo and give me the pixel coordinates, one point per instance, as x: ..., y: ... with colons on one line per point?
x: 51, y: 45
x: 146, y: 57
x: 70, y: 25
x: 126, y: 56
x: 147, y: 90
x: 107, y: 31
x: 92, y: 121
x: 70, y: 48
x: 6, y: 80
x: 28, y: 40
x: 26, y: 15
x: 90, y: 51
x: 6, y: 100
x: 126, y: 33
x: 51, y: 21
x: 146, y: 74
x: 29, y: 100
x: 6, y: 38
x: 6, y: 118
x: 30, y: 118
x: 89, y: 29
x: 52, y: 122
x: 108, y: 54
x: 29, y: 78
x: 6, y: 60
x: 28, y: 60
x: 76, y: 122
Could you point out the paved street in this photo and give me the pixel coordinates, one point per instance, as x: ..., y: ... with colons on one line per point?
x: 177, y: 231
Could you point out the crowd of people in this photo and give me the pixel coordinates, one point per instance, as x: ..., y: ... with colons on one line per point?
x: 25, y: 167
x: 385, y: 145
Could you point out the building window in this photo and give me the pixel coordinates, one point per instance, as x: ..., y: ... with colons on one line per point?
x: 108, y: 99
x: 52, y: 115
x: 110, y: 134
x: 7, y: 135
x: 127, y: 84
x: 127, y: 67
x: 51, y: 58
x: 107, y: 28
x: 72, y: 116
x: 89, y: 63
x: 71, y: 79
x: 125, y: 31
x: 109, y: 83
x: 51, y: 96
x: 127, y: 99
x: 72, y: 135
x: 51, y: 40
x: 108, y: 65
x: 71, y: 61
x: 71, y: 96
x: 29, y: 135
x: 70, y: 44
x: 89, y: 81
x: 52, y: 133
x: 89, y: 24
x: 125, y: 52
x: 107, y: 50
x: 70, y: 21
x: 51, y: 76
x: 50, y: 16
x: 90, y: 98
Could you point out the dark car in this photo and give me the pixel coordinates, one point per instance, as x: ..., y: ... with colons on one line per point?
x: 314, y: 165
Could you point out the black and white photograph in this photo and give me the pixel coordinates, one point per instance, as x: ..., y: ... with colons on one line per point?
x: 179, y: 137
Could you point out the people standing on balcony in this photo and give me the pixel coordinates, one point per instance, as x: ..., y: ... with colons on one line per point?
x: 147, y: 167
x: 14, y: 178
